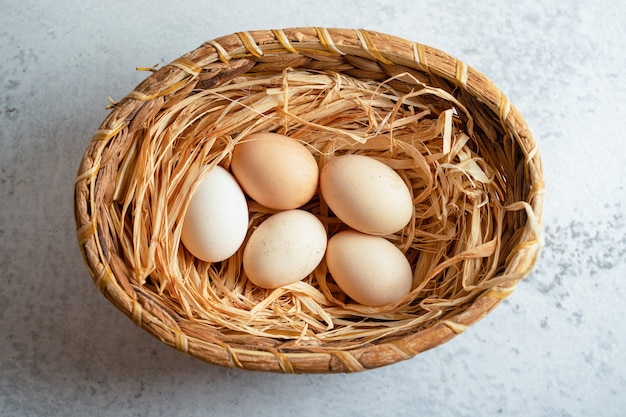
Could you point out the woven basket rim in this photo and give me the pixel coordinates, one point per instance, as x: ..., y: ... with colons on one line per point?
x: 378, y: 47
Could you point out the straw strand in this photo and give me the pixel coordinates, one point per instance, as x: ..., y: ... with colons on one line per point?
x: 370, y: 47
x: 327, y: 41
x: 250, y: 44
x: 284, y: 41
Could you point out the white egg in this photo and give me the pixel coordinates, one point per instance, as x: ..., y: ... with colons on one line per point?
x: 369, y: 269
x: 284, y: 249
x: 366, y: 194
x: 216, y: 221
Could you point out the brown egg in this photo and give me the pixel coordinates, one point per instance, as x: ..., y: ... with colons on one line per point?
x: 275, y: 170
x: 366, y: 194
x: 369, y: 269
x: 284, y: 249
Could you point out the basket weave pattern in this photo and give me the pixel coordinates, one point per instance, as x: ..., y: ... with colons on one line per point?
x: 359, y: 54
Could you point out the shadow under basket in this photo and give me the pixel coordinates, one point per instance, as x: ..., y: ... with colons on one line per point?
x: 461, y: 147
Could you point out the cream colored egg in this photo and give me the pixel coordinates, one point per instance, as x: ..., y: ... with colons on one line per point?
x: 284, y: 249
x: 275, y: 170
x: 216, y: 221
x: 366, y: 194
x: 369, y: 269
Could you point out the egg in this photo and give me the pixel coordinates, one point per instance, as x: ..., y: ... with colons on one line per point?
x: 366, y: 194
x: 216, y: 221
x: 369, y: 269
x: 284, y: 249
x: 275, y: 170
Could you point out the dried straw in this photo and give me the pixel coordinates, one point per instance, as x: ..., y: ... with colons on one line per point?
x: 462, y: 149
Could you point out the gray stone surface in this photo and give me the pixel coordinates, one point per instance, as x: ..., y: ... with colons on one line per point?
x: 555, y: 347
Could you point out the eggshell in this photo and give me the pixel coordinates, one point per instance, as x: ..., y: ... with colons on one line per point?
x: 275, y: 170
x: 369, y: 269
x: 366, y: 194
x: 285, y: 248
x: 216, y: 221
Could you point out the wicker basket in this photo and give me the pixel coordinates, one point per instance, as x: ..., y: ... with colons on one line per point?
x: 131, y: 190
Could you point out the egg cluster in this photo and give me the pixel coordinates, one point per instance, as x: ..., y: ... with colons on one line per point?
x: 364, y: 193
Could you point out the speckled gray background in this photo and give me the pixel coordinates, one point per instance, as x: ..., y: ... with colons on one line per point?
x: 553, y: 348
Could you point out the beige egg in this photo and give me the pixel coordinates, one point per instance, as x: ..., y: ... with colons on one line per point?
x: 284, y: 249
x: 366, y: 194
x: 216, y: 221
x: 275, y: 170
x: 369, y: 269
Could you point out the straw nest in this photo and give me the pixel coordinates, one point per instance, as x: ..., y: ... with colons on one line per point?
x: 463, y: 150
